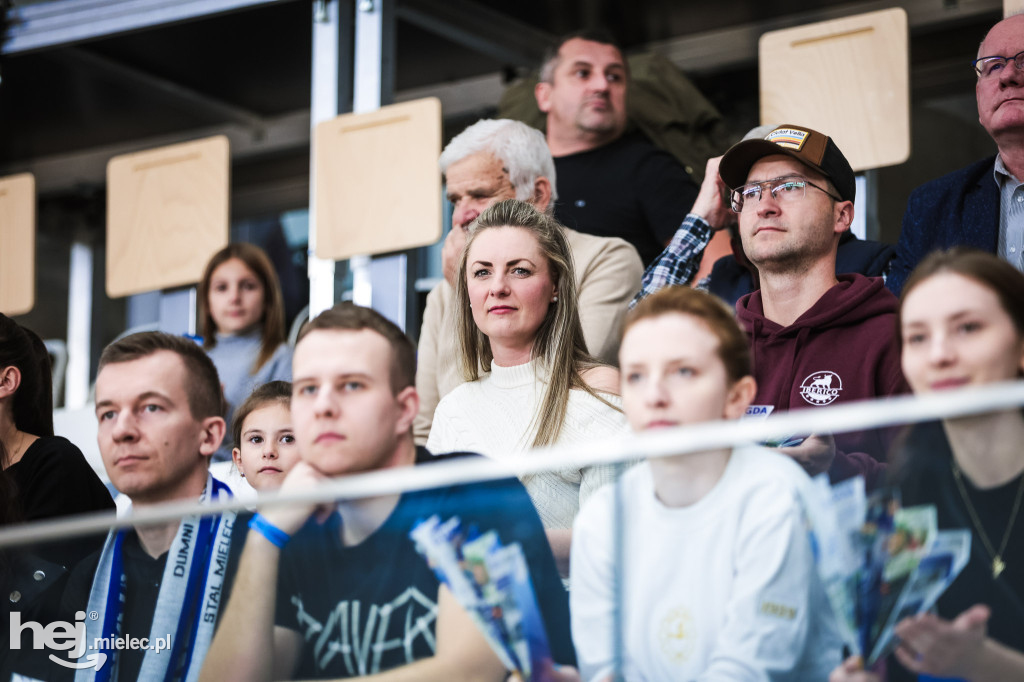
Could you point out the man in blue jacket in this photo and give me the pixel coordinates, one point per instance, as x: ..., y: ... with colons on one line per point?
x: 982, y: 205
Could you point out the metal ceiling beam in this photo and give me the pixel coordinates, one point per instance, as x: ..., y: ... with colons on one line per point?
x: 65, y: 22
x: 143, y: 80
x: 88, y: 167
x: 737, y: 45
x: 281, y: 134
x: 462, y: 97
x: 705, y: 53
x: 478, y: 28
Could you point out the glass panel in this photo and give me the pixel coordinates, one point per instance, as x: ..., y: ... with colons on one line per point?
x: 727, y: 560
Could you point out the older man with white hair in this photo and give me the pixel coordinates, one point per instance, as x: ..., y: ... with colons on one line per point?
x: 493, y: 160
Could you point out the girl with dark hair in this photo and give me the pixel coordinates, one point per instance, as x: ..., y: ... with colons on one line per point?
x: 243, y: 325
x: 50, y: 474
x: 962, y: 324
x: 264, y: 440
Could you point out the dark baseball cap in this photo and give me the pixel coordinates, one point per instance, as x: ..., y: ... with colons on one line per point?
x: 807, y: 146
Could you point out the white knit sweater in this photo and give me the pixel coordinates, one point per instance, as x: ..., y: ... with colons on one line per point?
x: 494, y: 416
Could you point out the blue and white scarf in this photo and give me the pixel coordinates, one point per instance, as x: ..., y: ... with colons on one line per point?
x: 191, y: 594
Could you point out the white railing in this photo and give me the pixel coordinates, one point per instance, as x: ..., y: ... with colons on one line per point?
x: 851, y: 417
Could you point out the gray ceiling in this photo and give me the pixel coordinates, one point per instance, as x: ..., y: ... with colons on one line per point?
x: 78, y: 86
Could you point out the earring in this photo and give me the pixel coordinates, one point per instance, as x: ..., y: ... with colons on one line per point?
x: 554, y: 299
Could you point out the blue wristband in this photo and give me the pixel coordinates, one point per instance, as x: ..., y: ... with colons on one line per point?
x: 272, y: 533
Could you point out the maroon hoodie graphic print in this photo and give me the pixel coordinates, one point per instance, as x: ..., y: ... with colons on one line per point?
x: 841, y: 350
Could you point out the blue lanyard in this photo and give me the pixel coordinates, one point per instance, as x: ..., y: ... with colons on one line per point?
x: 113, y: 604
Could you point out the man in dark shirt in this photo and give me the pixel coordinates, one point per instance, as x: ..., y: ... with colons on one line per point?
x: 345, y: 594
x: 159, y: 405
x: 609, y: 184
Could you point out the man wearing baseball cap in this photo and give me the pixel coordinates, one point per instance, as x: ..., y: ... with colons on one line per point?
x: 732, y: 276
x: 818, y: 338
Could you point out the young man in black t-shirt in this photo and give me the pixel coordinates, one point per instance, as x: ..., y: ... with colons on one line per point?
x: 344, y: 593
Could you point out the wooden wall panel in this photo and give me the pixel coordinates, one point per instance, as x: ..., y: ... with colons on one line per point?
x: 378, y: 188
x: 167, y: 213
x: 17, y: 243
x: 847, y: 78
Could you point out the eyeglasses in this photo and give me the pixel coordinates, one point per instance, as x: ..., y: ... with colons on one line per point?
x: 783, y: 190
x: 988, y: 66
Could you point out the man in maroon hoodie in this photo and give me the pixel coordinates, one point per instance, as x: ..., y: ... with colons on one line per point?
x: 817, y: 338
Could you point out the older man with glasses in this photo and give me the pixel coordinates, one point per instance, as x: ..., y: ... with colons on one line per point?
x: 982, y: 205
x: 818, y: 338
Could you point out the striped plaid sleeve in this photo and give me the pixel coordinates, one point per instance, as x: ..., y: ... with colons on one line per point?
x: 680, y: 260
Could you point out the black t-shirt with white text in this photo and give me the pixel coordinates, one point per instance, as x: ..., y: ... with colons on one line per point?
x: 371, y: 607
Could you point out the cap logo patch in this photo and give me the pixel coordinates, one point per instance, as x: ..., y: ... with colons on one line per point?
x: 788, y: 137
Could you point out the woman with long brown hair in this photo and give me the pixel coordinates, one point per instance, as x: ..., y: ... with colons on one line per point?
x: 962, y: 324
x: 243, y: 324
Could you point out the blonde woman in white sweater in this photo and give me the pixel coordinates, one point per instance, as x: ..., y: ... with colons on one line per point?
x: 530, y: 380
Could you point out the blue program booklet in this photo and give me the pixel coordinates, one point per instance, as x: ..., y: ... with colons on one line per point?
x: 492, y: 582
x: 879, y: 562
